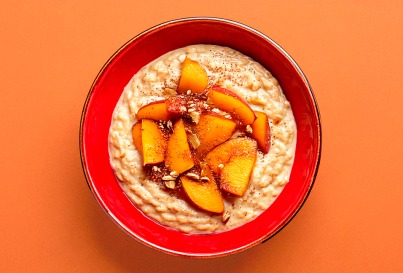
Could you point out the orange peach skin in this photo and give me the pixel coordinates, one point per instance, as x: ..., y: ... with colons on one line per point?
x: 153, y: 142
x: 204, y: 195
x: 238, y: 158
x: 212, y: 131
x: 156, y: 110
x: 226, y: 100
x: 179, y: 157
x: 261, y: 131
x: 193, y: 77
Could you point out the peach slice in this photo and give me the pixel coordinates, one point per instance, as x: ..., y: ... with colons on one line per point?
x: 179, y: 157
x: 261, y: 131
x: 205, y: 195
x: 233, y: 161
x: 193, y: 77
x: 136, y: 134
x: 153, y: 142
x: 212, y: 130
x: 221, y: 155
x: 228, y: 101
x: 236, y: 173
x: 156, y: 110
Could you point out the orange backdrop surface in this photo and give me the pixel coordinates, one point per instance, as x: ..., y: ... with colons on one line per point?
x: 351, y: 52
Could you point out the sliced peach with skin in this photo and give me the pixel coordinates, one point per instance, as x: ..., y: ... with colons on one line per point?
x: 179, y: 157
x: 136, y: 134
x: 153, y: 142
x: 156, y: 110
x: 233, y: 161
x: 212, y: 130
x: 204, y: 195
x: 193, y: 77
x: 261, y: 131
x: 228, y: 101
x: 236, y: 173
x: 221, y: 155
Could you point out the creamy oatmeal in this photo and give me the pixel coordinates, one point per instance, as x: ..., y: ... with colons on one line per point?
x: 226, y: 68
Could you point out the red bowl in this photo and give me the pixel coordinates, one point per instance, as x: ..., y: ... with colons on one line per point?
x: 107, y: 88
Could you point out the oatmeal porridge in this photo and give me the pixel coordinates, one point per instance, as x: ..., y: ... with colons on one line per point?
x: 202, y: 139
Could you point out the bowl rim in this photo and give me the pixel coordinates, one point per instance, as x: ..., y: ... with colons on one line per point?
x: 123, y: 227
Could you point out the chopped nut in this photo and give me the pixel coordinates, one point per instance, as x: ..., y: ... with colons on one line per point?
x: 169, y: 124
x: 204, y: 179
x: 182, y: 108
x: 170, y: 184
x: 227, y: 116
x: 237, y: 134
x: 168, y: 178
x: 155, y: 169
x: 215, y: 110
x: 174, y: 174
x: 194, y: 140
x: 169, y: 91
x: 220, y: 166
x: 249, y: 129
x: 195, y: 117
x: 193, y: 176
x: 226, y: 215
x: 189, y: 92
x: 190, y: 110
x: 192, y: 105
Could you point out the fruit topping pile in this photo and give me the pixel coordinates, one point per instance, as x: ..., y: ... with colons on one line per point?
x: 201, y: 140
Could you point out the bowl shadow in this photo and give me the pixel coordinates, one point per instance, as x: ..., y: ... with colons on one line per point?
x: 127, y: 254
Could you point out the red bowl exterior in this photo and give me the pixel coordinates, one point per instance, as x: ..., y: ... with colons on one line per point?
x: 107, y: 88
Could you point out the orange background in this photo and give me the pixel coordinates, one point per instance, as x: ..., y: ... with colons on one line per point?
x: 351, y: 52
